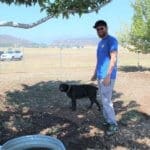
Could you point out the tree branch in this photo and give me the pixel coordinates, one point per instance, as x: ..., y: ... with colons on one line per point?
x: 24, y: 26
x: 28, y: 26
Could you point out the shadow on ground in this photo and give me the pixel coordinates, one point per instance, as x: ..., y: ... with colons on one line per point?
x: 133, y: 69
x: 41, y: 108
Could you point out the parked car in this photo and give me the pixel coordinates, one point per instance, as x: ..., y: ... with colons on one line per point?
x: 1, y: 52
x: 12, y: 55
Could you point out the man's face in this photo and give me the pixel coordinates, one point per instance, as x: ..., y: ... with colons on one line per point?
x: 101, y: 31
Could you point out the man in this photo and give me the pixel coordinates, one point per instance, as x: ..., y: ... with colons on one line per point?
x: 105, y: 72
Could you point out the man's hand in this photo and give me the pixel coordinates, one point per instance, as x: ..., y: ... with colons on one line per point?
x: 93, y: 77
x: 106, y: 81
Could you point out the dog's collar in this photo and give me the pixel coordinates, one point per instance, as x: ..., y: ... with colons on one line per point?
x: 69, y: 87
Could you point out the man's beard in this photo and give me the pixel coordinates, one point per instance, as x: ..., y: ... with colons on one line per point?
x: 102, y: 36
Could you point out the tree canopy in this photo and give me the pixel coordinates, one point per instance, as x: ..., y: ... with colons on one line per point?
x: 140, y: 28
x: 55, y: 8
x: 138, y: 34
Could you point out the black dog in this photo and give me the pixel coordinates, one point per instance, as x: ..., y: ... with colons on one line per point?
x: 80, y: 91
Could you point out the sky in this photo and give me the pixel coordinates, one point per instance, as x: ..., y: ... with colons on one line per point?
x: 117, y: 13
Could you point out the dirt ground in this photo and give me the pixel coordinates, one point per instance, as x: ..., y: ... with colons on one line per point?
x: 30, y: 102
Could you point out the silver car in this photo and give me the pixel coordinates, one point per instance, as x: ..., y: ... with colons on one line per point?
x: 11, y: 55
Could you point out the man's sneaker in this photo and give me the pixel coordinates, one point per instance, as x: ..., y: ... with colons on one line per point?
x: 105, y: 124
x: 112, y: 129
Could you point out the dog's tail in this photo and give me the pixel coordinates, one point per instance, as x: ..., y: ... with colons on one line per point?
x: 95, y: 85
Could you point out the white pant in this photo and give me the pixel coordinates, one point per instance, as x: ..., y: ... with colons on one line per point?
x: 106, y: 95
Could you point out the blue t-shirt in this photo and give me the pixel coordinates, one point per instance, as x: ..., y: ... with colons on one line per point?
x: 105, y: 47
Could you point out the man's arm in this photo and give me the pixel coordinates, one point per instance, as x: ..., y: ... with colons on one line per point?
x: 113, y: 60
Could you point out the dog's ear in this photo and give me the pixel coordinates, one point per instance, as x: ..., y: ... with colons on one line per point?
x: 65, y: 86
x: 61, y: 87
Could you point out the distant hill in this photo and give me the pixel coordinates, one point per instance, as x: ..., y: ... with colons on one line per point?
x: 75, y: 42
x: 11, y: 41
